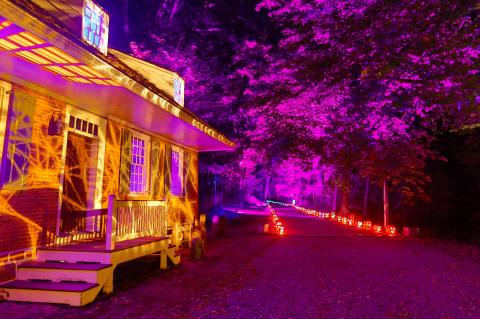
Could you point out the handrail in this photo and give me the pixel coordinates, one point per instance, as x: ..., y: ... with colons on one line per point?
x: 129, y: 219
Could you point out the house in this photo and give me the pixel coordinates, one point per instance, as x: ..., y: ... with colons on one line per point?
x: 99, y: 161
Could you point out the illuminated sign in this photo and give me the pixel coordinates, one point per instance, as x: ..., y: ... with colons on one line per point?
x: 95, y: 26
x: 178, y: 90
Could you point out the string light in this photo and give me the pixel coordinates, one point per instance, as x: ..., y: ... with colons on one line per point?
x: 349, y: 221
x: 279, y: 226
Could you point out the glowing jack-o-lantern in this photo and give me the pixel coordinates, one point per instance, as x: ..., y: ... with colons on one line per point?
x: 344, y: 220
x: 333, y: 215
x: 367, y: 224
x: 377, y: 228
x: 350, y: 222
x: 339, y: 219
x: 359, y: 224
x: 327, y: 215
x: 391, y: 230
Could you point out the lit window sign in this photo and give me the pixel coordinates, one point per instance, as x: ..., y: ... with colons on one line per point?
x: 178, y: 90
x: 95, y: 23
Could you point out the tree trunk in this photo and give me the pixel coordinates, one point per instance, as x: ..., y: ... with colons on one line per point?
x: 365, y: 199
x: 266, y: 194
x: 334, y: 200
x: 385, y: 203
x: 345, y: 202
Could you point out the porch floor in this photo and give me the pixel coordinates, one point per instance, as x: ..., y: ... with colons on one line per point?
x: 98, y: 245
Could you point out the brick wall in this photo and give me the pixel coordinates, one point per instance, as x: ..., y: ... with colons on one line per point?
x: 112, y: 161
x: 27, y: 216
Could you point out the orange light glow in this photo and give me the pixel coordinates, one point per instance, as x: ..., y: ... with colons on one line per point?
x: 5, y: 24
x: 44, y: 52
x: 31, y: 38
x: 79, y: 70
x: 91, y: 71
x: 59, y: 70
x: 32, y: 57
x: 22, y: 41
x: 37, y: 51
x: 63, y: 55
x: 367, y: 224
x: 78, y: 79
x: 7, y: 45
x: 391, y: 230
x: 98, y: 81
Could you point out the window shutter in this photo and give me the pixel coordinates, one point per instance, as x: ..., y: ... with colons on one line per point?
x: 161, y: 171
x: 125, y: 159
x: 186, y: 172
x: 18, y: 141
x: 168, y: 168
x: 157, y: 163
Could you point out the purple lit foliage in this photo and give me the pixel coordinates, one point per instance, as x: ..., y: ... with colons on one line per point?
x: 319, y: 95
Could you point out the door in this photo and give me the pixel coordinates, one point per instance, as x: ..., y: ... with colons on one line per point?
x: 76, y: 183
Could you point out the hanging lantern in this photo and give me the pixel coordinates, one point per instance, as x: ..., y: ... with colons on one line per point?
x: 55, y: 126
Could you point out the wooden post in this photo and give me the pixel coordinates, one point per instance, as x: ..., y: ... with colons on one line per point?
x: 108, y: 287
x: 163, y: 260
x: 385, y: 204
x: 111, y: 224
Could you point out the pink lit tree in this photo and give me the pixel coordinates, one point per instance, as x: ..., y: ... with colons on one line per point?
x: 318, y: 94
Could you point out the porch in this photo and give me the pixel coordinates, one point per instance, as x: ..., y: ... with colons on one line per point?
x: 75, y: 270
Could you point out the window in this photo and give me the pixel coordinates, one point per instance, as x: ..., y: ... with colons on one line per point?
x: 177, y: 171
x: 18, y: 139
x: 84, y: 126
x: 138, y: 164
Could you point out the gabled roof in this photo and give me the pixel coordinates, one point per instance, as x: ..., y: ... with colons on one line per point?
x: 115, y: 65
x: 160, y: 77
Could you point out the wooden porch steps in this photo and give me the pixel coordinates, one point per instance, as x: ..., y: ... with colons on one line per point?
x: 72, y: 293
x: 62, y: 271
x: 75, y: 274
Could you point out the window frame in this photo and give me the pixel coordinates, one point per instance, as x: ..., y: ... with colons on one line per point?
x: 7, y: 114
x: 145, y: 166
x: 180, y: 151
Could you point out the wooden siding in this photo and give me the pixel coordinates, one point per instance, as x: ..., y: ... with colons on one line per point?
x: 29, y: 216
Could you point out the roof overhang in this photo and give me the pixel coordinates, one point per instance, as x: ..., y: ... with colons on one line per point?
x: 133, y: 101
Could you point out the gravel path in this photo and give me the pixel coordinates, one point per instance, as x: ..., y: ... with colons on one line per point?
x: 318, y: 270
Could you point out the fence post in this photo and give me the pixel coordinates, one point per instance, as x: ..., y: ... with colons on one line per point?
x: 111, y: 224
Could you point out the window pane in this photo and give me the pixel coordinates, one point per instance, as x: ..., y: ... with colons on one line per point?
x: 138, y: 170
x: 176, y: 186
x: 18, y: 142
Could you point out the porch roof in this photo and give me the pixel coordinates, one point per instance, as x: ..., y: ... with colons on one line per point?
x: 135, y: 100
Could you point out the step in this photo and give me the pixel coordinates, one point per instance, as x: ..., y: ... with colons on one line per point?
x: 73, y: 256
x: 62, y: 271
x: 71, y: 293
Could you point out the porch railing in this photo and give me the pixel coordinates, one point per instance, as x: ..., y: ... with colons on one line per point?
x: 130, y: 219
x: 75, y: 226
